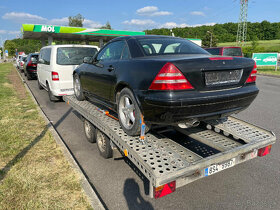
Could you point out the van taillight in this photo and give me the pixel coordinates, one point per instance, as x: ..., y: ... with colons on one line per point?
x: 55, y: 76
x: 253, y: 75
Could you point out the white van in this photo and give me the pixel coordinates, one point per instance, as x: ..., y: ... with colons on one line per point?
x: 56, y: 65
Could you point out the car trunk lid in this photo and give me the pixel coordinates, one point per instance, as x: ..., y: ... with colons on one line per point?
x: 215, y: 73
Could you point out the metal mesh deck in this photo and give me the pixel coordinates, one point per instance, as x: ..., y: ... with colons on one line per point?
x: 160, y: 159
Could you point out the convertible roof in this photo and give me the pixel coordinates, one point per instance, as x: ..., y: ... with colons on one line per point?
x: 40, y: 32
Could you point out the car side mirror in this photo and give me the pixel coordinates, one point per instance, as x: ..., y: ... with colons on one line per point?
x: 87, y: 60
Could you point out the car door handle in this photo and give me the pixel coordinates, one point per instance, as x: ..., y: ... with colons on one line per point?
x: 110, y: 68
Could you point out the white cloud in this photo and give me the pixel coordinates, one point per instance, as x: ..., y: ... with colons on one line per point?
x: 59, y: 21
x: 91, y: 24
x: 9, y: 32
x: 138, y: 22
x: 152, y: 11
x: 173, y: 25
x: 22, y: 17
x: 197, y: 13
x: 182, y: 25
x: 205, y: 24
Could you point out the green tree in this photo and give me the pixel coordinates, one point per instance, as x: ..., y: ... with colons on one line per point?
x: 209, y: 40
x: 76, y: 21
x: 10, y: 46
x: 106, y: 26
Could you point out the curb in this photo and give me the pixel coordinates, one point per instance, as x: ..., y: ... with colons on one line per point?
x: 89, y: 191
x: 269, y: 75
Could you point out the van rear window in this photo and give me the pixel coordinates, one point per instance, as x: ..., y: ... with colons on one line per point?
x: 73, y: 55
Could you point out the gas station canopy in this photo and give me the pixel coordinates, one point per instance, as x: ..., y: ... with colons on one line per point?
x: 43, y: 32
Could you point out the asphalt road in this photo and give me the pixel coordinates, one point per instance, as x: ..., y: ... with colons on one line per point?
x: 251, y: 185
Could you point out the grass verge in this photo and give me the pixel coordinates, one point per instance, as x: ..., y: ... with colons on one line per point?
x: 34, y: 173
x: 266, y: 45
x: 269, y: 70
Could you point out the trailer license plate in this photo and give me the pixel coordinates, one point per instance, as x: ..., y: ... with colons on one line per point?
x: 219, y: 167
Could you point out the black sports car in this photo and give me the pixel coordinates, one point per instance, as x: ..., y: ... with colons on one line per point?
x: 166, y: 79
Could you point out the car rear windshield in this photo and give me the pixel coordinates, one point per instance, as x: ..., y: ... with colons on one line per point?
x: 232, y: 52
x: 163, y: 46
x: 34, y: 58
x: 73, y: 55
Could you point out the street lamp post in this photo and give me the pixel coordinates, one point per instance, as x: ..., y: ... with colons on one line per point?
x: 210, y: 38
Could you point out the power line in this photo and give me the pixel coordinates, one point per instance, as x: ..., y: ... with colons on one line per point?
x: 242, y: 23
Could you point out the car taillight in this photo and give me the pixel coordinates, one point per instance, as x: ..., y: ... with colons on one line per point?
x: 253, y: 75
x: 264, y: 151
x: 31, y: 64
x: 170, y: 78
x: 55, y: 76
x: 21, y: 63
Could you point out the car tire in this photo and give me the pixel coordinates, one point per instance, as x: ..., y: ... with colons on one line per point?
x: 90, y: 131
x: 39, y: 85
x: 28, y: 76
x: 78, y: 88
x: 129, y: 113
x: 52, y: 97
x: 103, y: 144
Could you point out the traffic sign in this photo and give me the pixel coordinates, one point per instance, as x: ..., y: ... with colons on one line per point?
x: 265, y: 59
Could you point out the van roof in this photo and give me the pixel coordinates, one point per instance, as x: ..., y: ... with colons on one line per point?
x: 70, y: 45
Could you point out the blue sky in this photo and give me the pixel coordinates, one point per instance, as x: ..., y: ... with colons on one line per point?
x: 130, y: 14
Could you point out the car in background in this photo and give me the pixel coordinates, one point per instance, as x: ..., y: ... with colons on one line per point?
x: 270, y: 59
x: 56, y: 65
x: 225, y: 51
x: 22, y: 60
x: 167, y: 80
x: 30, y: 66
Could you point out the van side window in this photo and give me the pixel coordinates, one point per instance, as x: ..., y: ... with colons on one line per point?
x: 47, y: 56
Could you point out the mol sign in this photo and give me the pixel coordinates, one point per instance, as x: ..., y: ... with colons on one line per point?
x: 47, y: 29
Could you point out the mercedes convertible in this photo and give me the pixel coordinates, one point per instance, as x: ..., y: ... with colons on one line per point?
x: 165, y: 80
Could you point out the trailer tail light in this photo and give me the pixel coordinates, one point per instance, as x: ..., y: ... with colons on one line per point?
x: 55, y: 76
x: 170, y: 78
x: 253, y: 75
x: 264, y: 151
x: 164, y: 189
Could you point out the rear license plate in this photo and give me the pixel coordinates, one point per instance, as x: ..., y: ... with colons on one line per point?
x: 223, y: 77
x: 219, y: 167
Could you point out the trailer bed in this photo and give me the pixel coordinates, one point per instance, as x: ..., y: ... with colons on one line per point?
x: 181, y: 155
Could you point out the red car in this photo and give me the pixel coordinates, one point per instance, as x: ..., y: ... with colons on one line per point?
x: 225, y: 51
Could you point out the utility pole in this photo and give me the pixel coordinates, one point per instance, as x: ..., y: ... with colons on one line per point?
x: 242, y: 23
x: 211, y: 37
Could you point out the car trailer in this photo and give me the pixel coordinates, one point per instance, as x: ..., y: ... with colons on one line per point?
x: 173, y: 157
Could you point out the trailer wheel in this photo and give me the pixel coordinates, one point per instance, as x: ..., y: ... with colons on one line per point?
x: 103, y: 145
x: 90, y: 131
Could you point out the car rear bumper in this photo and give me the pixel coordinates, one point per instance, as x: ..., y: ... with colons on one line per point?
x: 175, y: 107
x: 32, y: 72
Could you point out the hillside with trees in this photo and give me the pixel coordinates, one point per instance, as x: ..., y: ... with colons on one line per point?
x: 221, y: 33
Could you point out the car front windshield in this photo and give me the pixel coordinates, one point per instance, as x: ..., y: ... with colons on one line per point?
x: 74, y: 55
x: 169, y: 46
